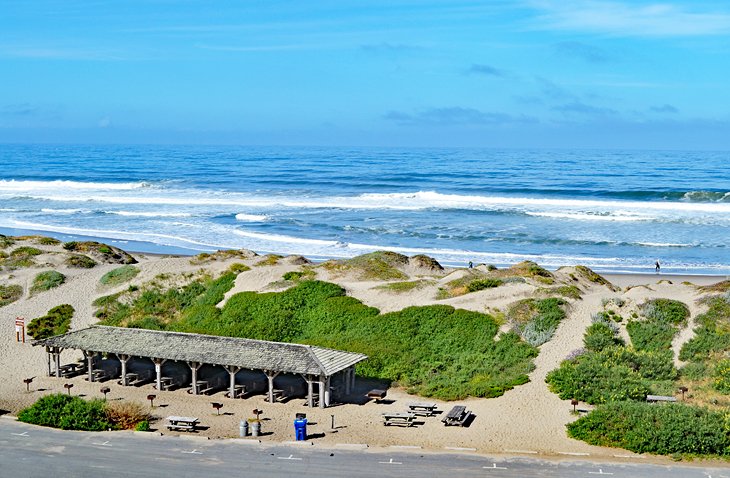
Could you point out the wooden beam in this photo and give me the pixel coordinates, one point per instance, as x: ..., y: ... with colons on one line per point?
x: 271, y: 376
x: 123, y: 359
x: 232, y: 371
x: 194, y: 366
x: 158, y: 371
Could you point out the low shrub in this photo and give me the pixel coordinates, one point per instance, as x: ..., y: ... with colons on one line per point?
x: 6, y: 241
x: 269, y: 260
x: 588, y: 274
x: 651, y: 334
x: 119, y: 275
x: 80, y: 261
x: 599, y: 336
x: 238, y: 267
x: 48, y: 241
x: 47, y: 280
x: 405, y: 286
x: 68, y: 413
x: 143, y: 426
x: 669, y: 311
x: 721, y: 376
x: 10, y: 293
x: 667, y: 429
x: 712, y: 335
x: 481, y: 284
x: 25, y: 251
x: 57, y: 321
x: 536, y: 320
x: 126, y: 415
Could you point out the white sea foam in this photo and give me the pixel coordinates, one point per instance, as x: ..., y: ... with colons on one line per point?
x: 148, y: 214
x: 251, y: 217
x: 581, y: 216
x: 663, y: 244
x: 62, y: 211
x: 20, y: 186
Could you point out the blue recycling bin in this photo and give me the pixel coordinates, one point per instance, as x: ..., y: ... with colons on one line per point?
x: 300, y: 429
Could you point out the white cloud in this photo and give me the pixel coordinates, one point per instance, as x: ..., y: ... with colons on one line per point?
x: 629, y: 19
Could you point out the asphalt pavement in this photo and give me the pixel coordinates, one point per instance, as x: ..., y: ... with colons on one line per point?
x: 30, y: 451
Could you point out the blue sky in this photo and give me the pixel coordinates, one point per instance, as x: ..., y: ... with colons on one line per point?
x: 543, y: 73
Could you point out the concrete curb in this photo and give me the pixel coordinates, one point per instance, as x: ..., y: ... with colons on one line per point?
x: 353, y: 446
x: 459, y: 448
x: 147, y: 434
x: 409, y: 447
x: 526, y: 452
x: 9, y: 417
x: 192, y: 437
x: 245, y: 441
x: 298, y: 443
x: 572, y: 453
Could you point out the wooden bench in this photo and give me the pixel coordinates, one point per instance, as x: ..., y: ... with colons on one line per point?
x: 399, y: 418
x: 458, y: 415
x: 376, y: 394
x: 660, y: 398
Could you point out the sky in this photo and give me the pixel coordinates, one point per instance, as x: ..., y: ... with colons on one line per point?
x: 506, y: 74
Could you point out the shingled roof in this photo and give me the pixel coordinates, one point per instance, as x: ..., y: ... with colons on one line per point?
x: 209, y: 349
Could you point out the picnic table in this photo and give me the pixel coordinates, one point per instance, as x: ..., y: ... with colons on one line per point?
x: 68, y: 370
x: 399, y: 418
x: 376, y: 394
x: 457, y: 416
x: 182, y: 423
x: 422, y: 408
x: 238, y: 391
x: 278, y: 395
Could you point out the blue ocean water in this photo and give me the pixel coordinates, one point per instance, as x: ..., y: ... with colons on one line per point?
x: 614, y: 211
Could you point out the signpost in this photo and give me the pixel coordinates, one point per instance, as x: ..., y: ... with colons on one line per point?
x: 20, y: 329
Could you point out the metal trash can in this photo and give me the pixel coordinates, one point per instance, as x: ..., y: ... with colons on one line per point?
x: 300, y: 429
x: 243, y: 428
x: 255, y: 428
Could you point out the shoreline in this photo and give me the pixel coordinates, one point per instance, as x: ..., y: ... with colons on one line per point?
x: 154, y: 250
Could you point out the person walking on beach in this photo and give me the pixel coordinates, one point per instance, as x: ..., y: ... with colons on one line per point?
x: 471, y: 264
x: 657, y: 267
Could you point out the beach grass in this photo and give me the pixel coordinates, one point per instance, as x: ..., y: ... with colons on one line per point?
x: 9, y: 293
x: 119, y: 275
x: 47, y: 280
x: 57, y: 321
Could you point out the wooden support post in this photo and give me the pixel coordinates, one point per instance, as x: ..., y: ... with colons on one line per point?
x: 123, y: 359
x: 194, y: 366
x: 310, y: 392
x: 232, y: 371
x: 327, y: 391
x: 90, y: 365
x: 271, y: 376
x: 322, y: 381
x: 158, y: 371
x: 352, y: 377
x: 346, y: 378
x: 57, y: 361
x: 48, y: 356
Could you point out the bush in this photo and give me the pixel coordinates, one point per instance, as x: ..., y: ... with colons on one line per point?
x: 712, y: 335
x: 722, y: 376
x: 68, y: 413
x: 666, y: 310
x: 651, y: 334
x: 143, y: 426
x: 119, y: 275
x: 599, y: 336
x: 537, y: 320
x: 405, y: 286
x: 80, y: 261
x: 666, y: 429
x: 293, y: 275
x: 126, y: 415
x: 10, y: 293
x: 434, y: 351
x: 238, y: 267
x: 480, y: 284
x: 57, y: 321
x: 25, y: 251
x: 48, y: 241
x: 47, y: 280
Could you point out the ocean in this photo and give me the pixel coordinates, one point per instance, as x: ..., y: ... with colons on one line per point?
x: 614, y: 211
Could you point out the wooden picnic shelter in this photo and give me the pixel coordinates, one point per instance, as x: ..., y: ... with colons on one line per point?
x: 314, y: 364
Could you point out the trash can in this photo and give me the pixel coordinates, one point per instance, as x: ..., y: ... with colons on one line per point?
x: 255, y: 428
x: 243, y: 428
x: 300, y: 429
x: 301, y: 416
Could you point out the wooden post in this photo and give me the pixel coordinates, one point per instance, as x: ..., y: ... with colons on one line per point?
x: 194, y: 366
x: 346, y: 378
x: 57, y: 360
x: 48, y: 356
x: 327, y: 391
x: 232, y: 371
x: 271, y: 376
x: 352, y: 377
x: 321, y: 391
x: 123, y: 360
x: 158, y: 371
x: 90, y: 363
x: 310, y: 392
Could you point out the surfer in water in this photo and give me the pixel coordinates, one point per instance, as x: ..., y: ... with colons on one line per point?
x: 657, y: 267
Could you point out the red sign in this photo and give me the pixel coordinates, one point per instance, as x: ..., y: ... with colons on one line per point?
x: 20, y: 322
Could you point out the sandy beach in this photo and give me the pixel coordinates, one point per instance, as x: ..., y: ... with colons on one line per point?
x: 526, y: 419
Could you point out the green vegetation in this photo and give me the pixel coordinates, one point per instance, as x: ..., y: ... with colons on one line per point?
x: 405, y: 286
x: 119, y: 275
x: 238, y: 267
x: 48, y: 241
x: 6, y: 241
x: 722, y: 376
x: 668, y: 429
x: 569, y: 291
x: 20, y: 257
x: 47, y: 280
x: 26, y: 251
x: 297, y: 276
x: 712, y: 336
x: 536, y: 320
x: 269, y: 260
x: 10, y: 293
x: 434, y: 351
x: 205, y: 257
x: 591, y: 276
x: 80, y: 261
x: 481, y: 284
x: 57, y: 321
x: 666, y: 310
x: 379, y: 265
x: 103, y: 252
x: 599, y: 336
x: 74, y: 413
x: 656, y: 332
